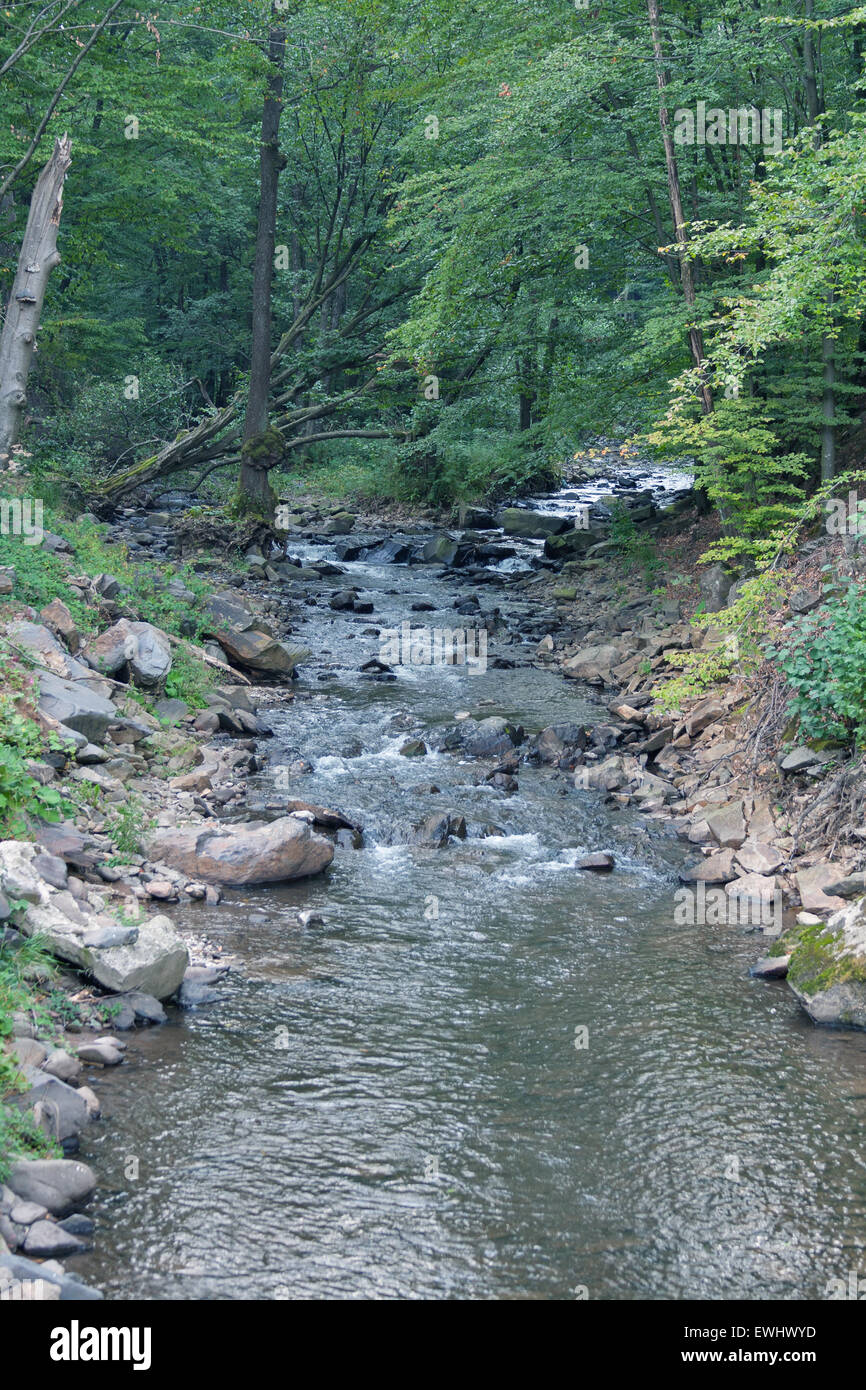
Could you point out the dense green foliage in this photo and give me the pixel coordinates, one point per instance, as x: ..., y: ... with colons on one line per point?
x: 484, y: 188
x: 824, y: 659
x: 19, y: 1133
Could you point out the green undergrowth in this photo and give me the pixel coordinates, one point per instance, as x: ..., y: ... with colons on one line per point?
x: 22, y: 741
x: 41, y: 576
x: 19, y: 1134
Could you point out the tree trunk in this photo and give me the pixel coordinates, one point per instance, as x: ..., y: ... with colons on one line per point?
x: 696, y: 344
x: 254, y: 490
x: 828, y: 429
x: 815, y: 105
x: 39, y: 256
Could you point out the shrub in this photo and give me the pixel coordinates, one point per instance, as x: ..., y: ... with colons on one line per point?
x: 824, y: 659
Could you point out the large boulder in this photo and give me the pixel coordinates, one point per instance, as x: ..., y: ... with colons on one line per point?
x: 446, y: 551
x: 226, y: 610
x: 248, y: 640
x: 567, y: 545
x: 593, y: 663
x: 560, y: 741
x: 340, y: 524
x: 518, y: 521
x: 322, y: 815
x: 52, y: 656
x: 812, y: 886
x: 19, y: 1275
x: 728, y: 825
x: 59, y: 1184
x: 75, y: 705
x: 255, y: 852
x: 387, y: 552
x: 152, y: 964
x: 148, y: 956
x: 60, y: 1110
x: 261, y: 653
x: 827, y: 970
x: 489, y: 738
x: 142, y: 648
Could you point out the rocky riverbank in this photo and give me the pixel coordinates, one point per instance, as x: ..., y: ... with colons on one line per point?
x: 164, y: 814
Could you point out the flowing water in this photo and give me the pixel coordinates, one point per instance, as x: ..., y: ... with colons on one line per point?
x: 487, y: 1074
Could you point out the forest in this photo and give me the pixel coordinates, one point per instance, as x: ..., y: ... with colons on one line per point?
x: 438, y: 247
x: 432, y: 662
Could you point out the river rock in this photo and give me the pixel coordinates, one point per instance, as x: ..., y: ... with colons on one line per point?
x: 440, y: 549
x: 75, y: 705
x: 811, y: 884
x: 349, y: 550
x: 40, y: 1286
x: 153, y: 962
x: 593, y: 663
x: 440, y: 827
x: 53, y: 656
x: 340, y: 524
x: 389, y: 552
x: 569, y: 544
x: 600, y: 862
x: 145, y: 1007
x: 842, y: 950
x: 261, y: 653
x: 60, y: 1064
x: 25, y: 1213
x: 413, y: 748
x: 142, y: 648
x: 58, y: 619
x: 29, y: 1052
x: 727, y: 824
x: 717, y: 868
x: 519, y: 521
x: 58, y: 1109
x: 840, y: 1005
x: 489, y: 738
x: 770, y: 968
x: 254, y: 852
x: 558, y: 741
x: 322, y: 815
x: 758, y: 858
x: 47, y: 1240
x: 851, y: 886
x: 103, y: 1052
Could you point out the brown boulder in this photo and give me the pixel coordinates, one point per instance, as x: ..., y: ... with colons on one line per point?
x: 255, y: 852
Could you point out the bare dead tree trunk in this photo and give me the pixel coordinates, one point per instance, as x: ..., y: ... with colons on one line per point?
x: 696, y: 344
x: 254, y: 489
x: 39, y: 256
